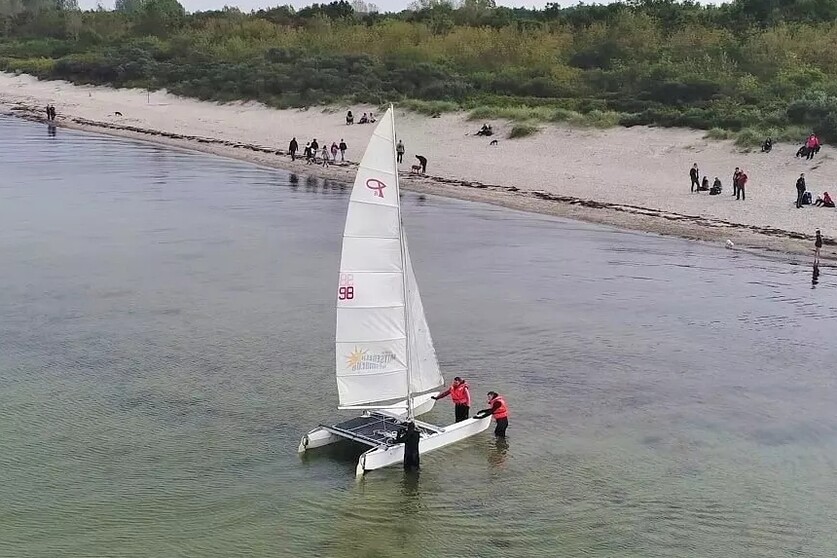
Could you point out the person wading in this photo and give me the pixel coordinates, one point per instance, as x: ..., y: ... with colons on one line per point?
x: 461, y: 396
x: 410, y: 438
x: 800, y: 190
x: 817, y: 247
x: 293, y: 147
x: 499, y: 411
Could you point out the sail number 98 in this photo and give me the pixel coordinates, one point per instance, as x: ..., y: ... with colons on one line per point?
x: 346, y: 291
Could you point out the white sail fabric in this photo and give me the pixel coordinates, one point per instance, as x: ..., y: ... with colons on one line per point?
x: 424, y: 367
x: 372, y: 329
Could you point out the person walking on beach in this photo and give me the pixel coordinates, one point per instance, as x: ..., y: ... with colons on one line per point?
x: 423, y: 162
x: 742, y: 183
x: 399, y: 150
x: 307, y: 154
x: 800, y: 190
x: 343, y: 148
x: 735, y: 177
x: 315, y: 147
x: 817, y: 247
x: 324, y: 155
x: 694, y: 174
x: 334, y: 151
x: 293, y: 147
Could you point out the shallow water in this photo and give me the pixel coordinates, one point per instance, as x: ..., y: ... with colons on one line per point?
x: 166, y: 338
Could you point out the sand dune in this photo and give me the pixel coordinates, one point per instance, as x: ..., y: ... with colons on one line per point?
x: 636, y: 178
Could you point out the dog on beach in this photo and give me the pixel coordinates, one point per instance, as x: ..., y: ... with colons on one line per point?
x: 493, y: 142
x: 415, y: 169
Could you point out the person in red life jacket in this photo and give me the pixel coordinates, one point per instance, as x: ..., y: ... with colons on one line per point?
x: 461, y: 397
x: 500, y: 412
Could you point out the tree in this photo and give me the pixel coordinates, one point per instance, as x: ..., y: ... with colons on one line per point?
x: 159, y: 17
x: 129, y: 6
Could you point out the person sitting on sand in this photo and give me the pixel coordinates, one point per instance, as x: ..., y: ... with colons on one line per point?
x: 767, y: 146
x: 704, y: 185
x: 372, y: 117
x: 485, y: 130
x: 363, y: 119
x: 716, y: 187
x: 824, y: 201
x: 350, y: 118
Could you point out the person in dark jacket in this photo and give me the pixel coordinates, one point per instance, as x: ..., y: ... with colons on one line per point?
x: 410, y: 438
x: 343, y: 148
x: 735, y: 177
x: 315, y: 147
x: 423, y: 162
x: 293, y: 147
x: 817, y: 247
x: 694, y: 175
x: 800, y: 190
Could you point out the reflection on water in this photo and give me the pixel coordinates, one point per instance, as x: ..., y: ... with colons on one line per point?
x: 167, y: 337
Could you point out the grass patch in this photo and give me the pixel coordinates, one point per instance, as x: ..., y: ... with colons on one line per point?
x: 428, y: 108
x: 522, y: 130
x: 754, y: 137
x: 512, y: 113
x: 719, y: 134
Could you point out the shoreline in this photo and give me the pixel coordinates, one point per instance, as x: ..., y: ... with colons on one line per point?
x: 792, y: 245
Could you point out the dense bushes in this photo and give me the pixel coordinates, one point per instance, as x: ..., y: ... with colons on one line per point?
x: 750, y: 66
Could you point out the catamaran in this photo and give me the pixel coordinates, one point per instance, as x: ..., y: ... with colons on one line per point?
x: 386, y: 362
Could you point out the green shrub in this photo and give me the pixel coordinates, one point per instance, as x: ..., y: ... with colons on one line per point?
x: 523, y: 130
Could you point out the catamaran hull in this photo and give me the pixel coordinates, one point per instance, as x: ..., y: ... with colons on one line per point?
x: 320, y: 437
x: 386, y: 456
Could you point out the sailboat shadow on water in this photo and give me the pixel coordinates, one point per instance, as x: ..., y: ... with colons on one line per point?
x: 384, y: 351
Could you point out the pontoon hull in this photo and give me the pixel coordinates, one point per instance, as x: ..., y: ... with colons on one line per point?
x: 320, y: 437
x: 386, y: 456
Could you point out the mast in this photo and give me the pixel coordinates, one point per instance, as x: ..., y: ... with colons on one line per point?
x: 403, y: 275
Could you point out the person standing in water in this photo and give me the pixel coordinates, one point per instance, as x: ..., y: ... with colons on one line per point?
x: 410, y: 438
x: 293, y: 147
x: 499, y: 410
x: 399, y: 150
x: 817, y: 247
x: 461, y: 396
x: 423, y: 162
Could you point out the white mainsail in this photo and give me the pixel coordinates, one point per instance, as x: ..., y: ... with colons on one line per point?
x: 378, y: 307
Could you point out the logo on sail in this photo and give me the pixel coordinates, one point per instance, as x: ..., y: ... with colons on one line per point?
x: 377, y: 185
x: 362, y: 359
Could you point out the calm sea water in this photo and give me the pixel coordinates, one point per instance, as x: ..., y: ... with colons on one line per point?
x: 166, y: 327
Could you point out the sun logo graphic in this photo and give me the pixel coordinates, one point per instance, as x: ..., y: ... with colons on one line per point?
x: 355, y: 357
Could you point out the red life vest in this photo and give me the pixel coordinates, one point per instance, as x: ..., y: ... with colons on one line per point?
x: 460, y: 394
x: 502, y: 411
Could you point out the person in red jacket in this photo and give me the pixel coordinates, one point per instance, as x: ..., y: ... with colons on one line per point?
x: 461, y: 397
x: 499, y: 410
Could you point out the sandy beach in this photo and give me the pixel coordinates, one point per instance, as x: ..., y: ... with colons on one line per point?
x: 633, y: 178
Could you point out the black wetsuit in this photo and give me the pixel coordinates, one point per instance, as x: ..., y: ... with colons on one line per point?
x: 423, y: 162
x: 410, y: 439
x: 293, y: 148
x: 694, y: 175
